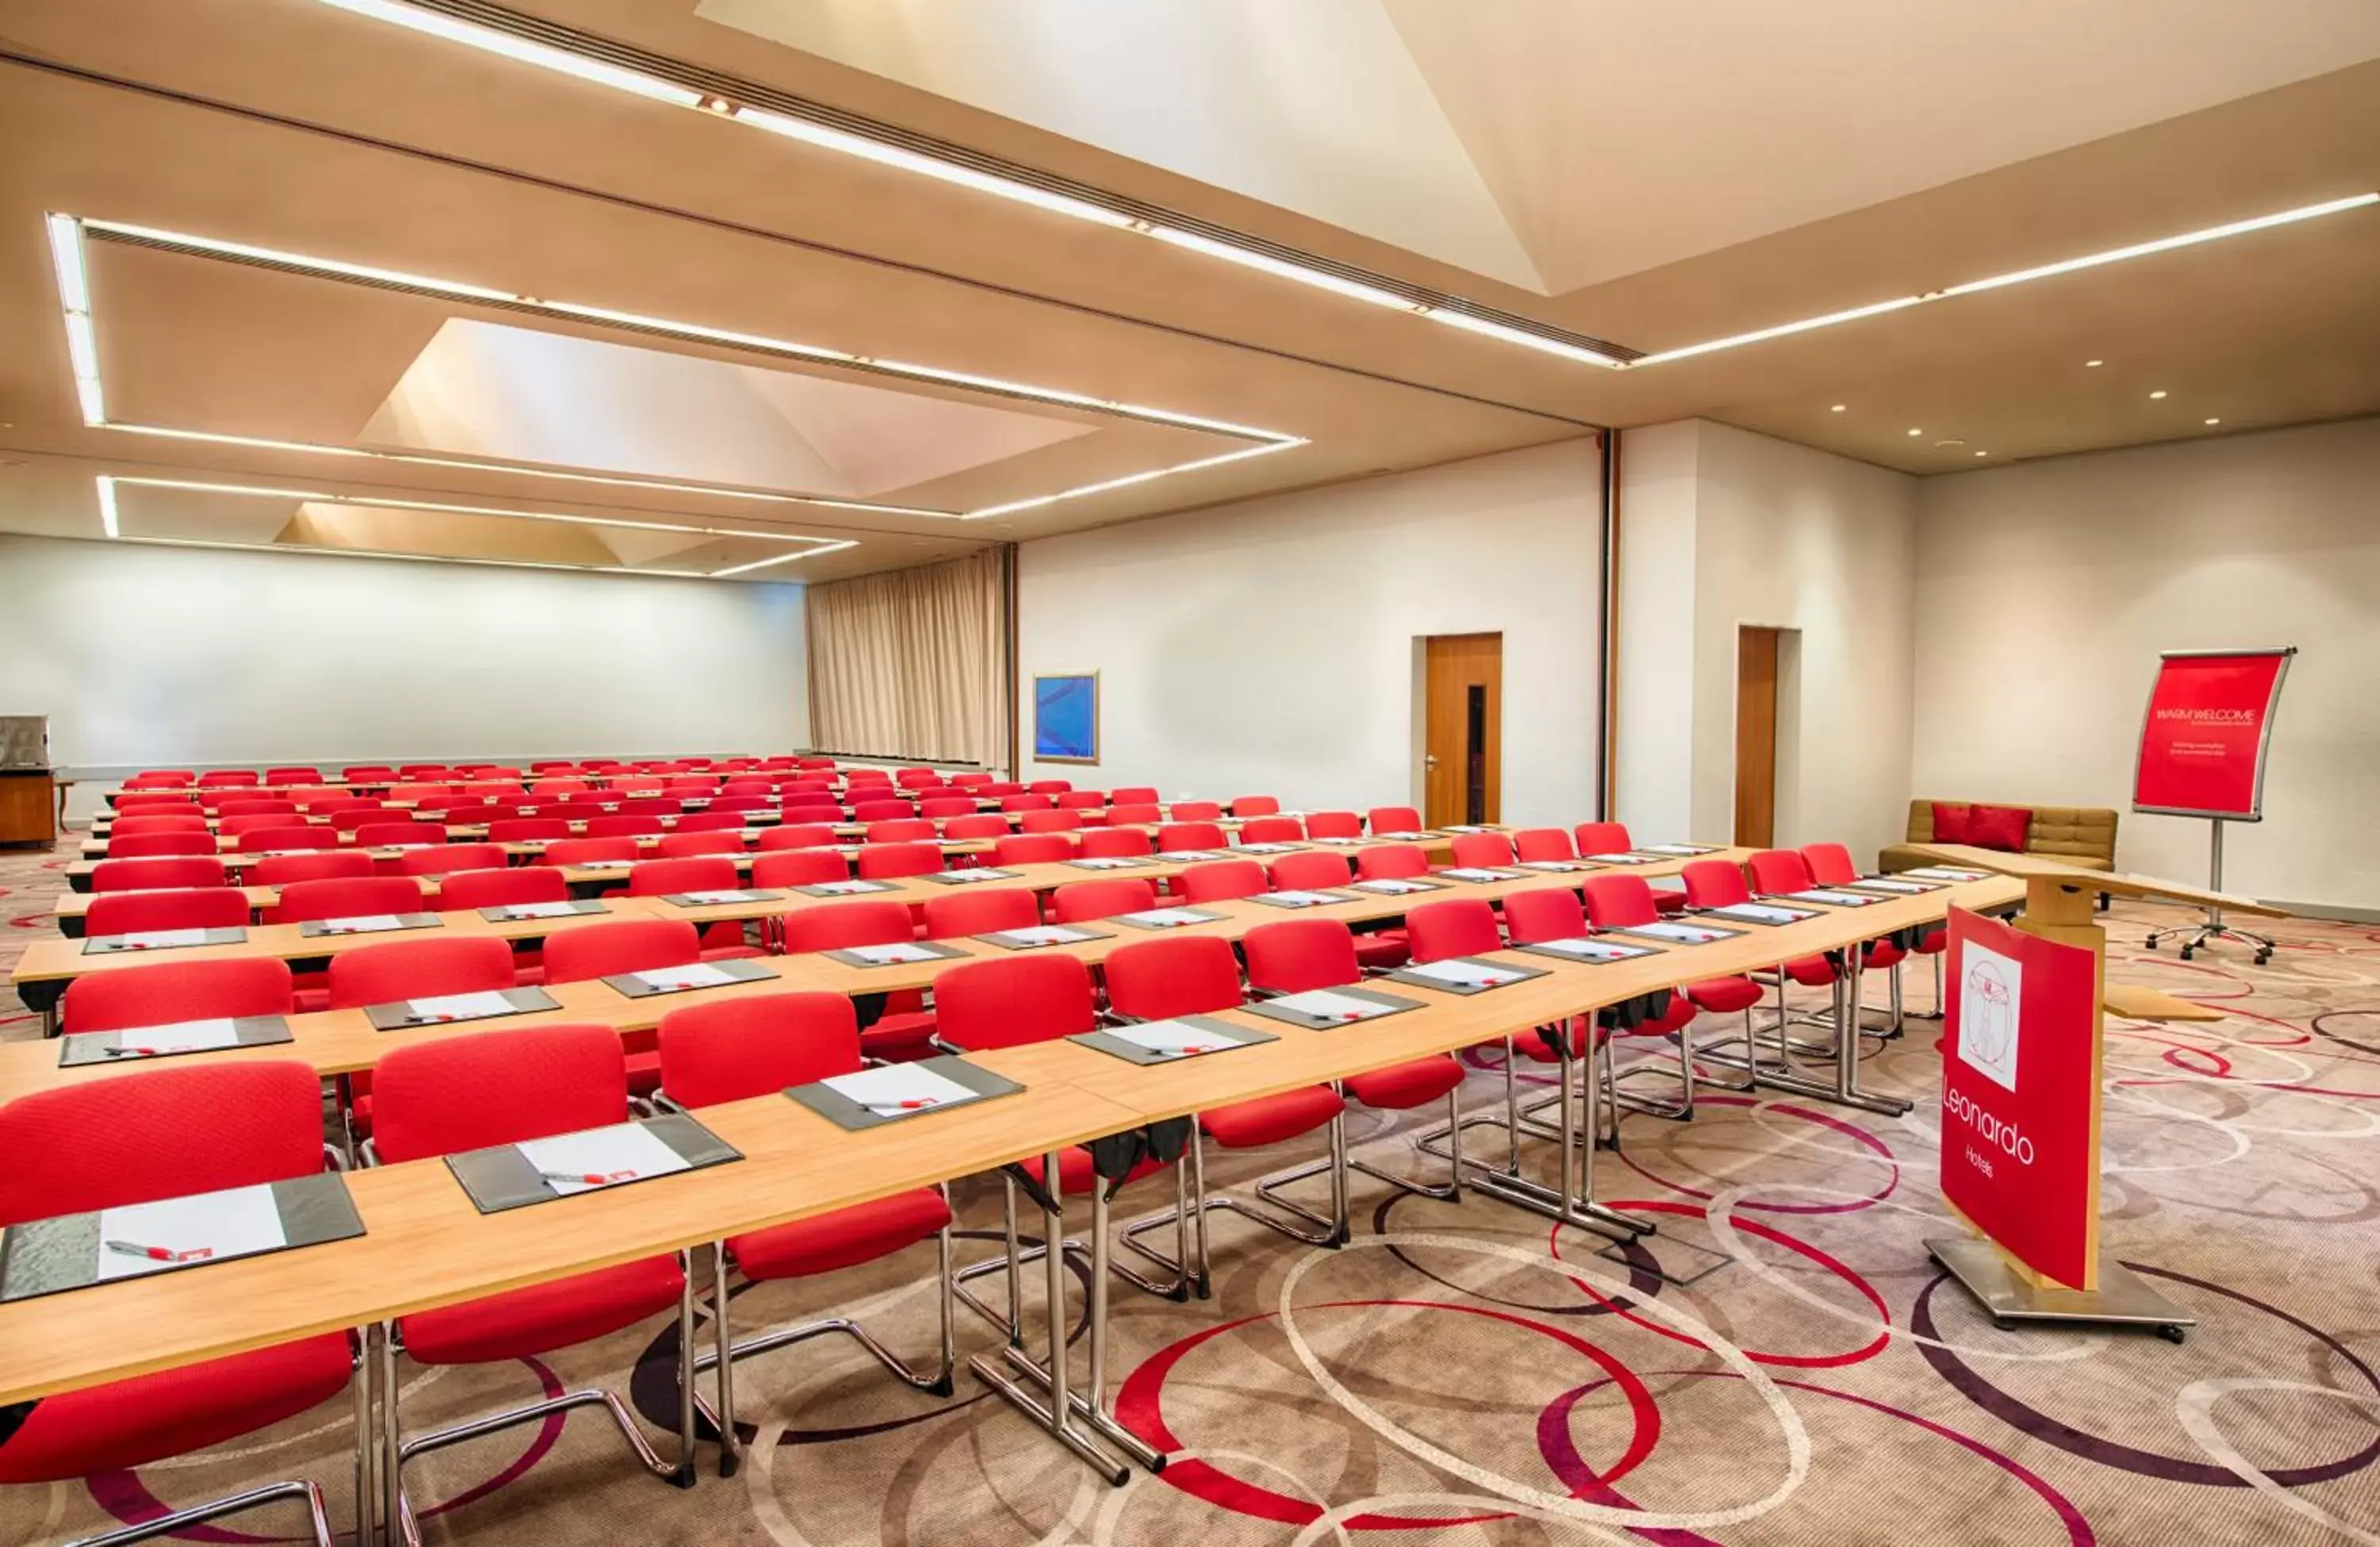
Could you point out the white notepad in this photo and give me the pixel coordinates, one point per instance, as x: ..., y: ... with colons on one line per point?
x: 885, y: 955
x: 1762, y: 913
x: 1327, y: 1006
x: 151, y: 940
x: 968, y: 878
x: 1110, y: 862
x: 459, y: 1007
x: 605, y: 864
x: 1463, y: 974
x: 1619, y: 858
x: 627, y: 1152
x: 1944, y: 872
x: 1306, y: 899
x: 1588, y: 950
x: 238, y: 1222
x: 717, y: 898
x: 1469, y: 872
x: 843, y: 888
x: 1356, y: 842
x: 1183, y: 855
x: 1046, y: 934
x: 1904, y: 888
x: 1172, y: 1037
x: 1687, y: 934
x: 1470, y: 827
x: 1390, y: 886
x: 1841, y: 899
x: 540, y: 910
x: 362, y: 924
x: 1687, y: 849
x: 180, y: 1036
x: 899, y: 1088
x: 1166, y: 916
x: 1548, y: 864
x: 693, y: 975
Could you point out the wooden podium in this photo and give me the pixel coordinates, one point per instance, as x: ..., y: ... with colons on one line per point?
x: 2060, y: 907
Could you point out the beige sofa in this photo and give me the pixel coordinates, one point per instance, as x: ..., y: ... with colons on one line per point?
x: 2077, y: 834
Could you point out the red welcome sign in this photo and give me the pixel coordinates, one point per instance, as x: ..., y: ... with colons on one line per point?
x: 2020, y: 1067
x: 2203, y: 744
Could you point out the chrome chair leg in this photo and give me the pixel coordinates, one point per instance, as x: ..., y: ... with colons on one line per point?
x: 319, y: 1517
x: 1448, y: 1191
x: 396, y: 1450
x: 1014, y: 1257
x: 1282, y: 1215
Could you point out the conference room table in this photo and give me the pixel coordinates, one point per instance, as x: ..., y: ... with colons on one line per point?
x: 47, y: 966
x: 425, y: 1246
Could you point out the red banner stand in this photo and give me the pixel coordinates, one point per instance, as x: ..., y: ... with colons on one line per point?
x: 2203, y: 743
x: 2022, y: 1045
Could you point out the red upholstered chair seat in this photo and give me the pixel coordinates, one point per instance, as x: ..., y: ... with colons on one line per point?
x: 843, y: 1238
x: 1399, y: 1086
x: 544, y: 1316
x: 1724, y: 995
x: 1076, y: 1172
x: 1268, y: 1119
x: 149, y: 1418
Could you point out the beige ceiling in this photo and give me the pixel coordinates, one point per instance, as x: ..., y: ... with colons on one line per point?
x: 1671, y: 174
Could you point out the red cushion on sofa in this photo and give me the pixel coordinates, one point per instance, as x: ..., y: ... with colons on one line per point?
x: 1951, y: 823
x: 2001, y: 827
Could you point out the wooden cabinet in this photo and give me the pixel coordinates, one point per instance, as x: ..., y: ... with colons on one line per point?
x: 29, y: 806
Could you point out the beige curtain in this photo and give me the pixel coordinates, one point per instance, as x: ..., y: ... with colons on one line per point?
x: 913, y: 664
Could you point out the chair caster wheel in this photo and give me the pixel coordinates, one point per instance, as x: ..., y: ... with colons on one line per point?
x: 2261, y: 959
x: 2185, y: 953
x: 2172, y: 1334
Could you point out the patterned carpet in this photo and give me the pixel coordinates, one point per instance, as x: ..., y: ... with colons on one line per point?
x: 1460, y: 1377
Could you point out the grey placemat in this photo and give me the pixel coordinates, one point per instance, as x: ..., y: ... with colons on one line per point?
x: 501, y: 1177
x: 400, y: 1016
x: 1231, y: 1035
x: 1273, y: 1010
x: 105, y: 1047
x: 845, y: 1113
x: 49, y: 1256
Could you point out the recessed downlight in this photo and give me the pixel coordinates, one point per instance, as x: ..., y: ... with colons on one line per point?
x: 2156, y: 395
x: 1954, y: 442
x: 1914, y: 431
x: 2214, y: 422
x: 1839, y: 407
x: 2093, y: 364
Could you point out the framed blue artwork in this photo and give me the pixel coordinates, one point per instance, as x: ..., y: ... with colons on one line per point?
x: 1067, y: 717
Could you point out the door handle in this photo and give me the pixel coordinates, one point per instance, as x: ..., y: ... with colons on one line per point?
x: 1429, y: 760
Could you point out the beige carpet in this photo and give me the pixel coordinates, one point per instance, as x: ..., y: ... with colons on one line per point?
x: 1444, y: 1379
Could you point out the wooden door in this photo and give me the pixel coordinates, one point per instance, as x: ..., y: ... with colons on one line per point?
x: 1464, y: 679
x: 1755, y: 736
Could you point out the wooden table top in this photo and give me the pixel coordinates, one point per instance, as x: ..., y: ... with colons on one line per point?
x: 426, y: 1245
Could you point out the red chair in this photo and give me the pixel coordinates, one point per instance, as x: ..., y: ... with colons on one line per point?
x: 740, y: 807
x: 970, y: 779
x: 558, y: 786
x: 591, y: 951
x: 796, y: 834
x: 1255, y: 806
x: 508, y: 887
x: 163, y: 993
x: 258, y: 805
x: 1483, y: 850
x: 287, y: 840
x: 438, y: 1098
x: 889, y: 861
x: 985, y: 825
x: 1137, y: 813
x: 1188, y: 975
x: 981, y: 911
x: 1080, y: 902
x: 1611, y: 838
x: 901, y: 830
x: 527, y: 830
x: 939, y: 806
x: 1219, y: 881
x: 1028, y: 802
x: 1272, y: 830
x: 702, y: 872
x: 1115, y: 842
x: 713, y: 820
x: 1391, y: 862
x: 799, y: 867
x: 1050, y: 821
x: 881, y: 811
x: 1178, y: 837
x: 220, y: 778
x: 1720, y: 883
x: 1783, y: 870
x: 1032, y: 848
x: 1010, y: 1001
x: 1542, y: 844
x: 161, y: 779
x: 152, y: 845
x: 747, y: 1048
x: 624, y: 826
x: 419, y: 969
x: 1133, y: 795
x: 139, y: 1138
x: 895, y: 1027
x: 566, y: 852
x: 128, y: 826
x: 230, y: 826
x: 1399, y: 819
x: 1311, y: 871
x: 1614, y: 901
x: 363, y: 813
x: 174, y: 872
x: 212, y: 907
x: 281, y: 869
x: 1779, y: 871
x: 1049, y: 787
x: 917, y: 778
x: 687, y: 845
x: 1195, y: 811
x: 447, y: 858
x: 345, y: 897
x: 1081, y: 800
x: 1333, y: 824
x: 1299, y: 954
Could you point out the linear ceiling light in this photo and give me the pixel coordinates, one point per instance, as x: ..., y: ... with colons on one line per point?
x: 74, y: 298
x: 886, y: 152
x: 2022, y: 276
x: 316, y: 496
x: 524, y: 469
x: 415, y: 558
x: 1128, y: 481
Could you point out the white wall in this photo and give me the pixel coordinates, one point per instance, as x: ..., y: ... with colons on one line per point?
x: 1722, y: 527
x: 2046, y: 590
x: 145, y: 655
x: 1268, y: 646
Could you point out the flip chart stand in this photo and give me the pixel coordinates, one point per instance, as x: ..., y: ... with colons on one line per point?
x: 2059, y: 906
x: 2213, y: 929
